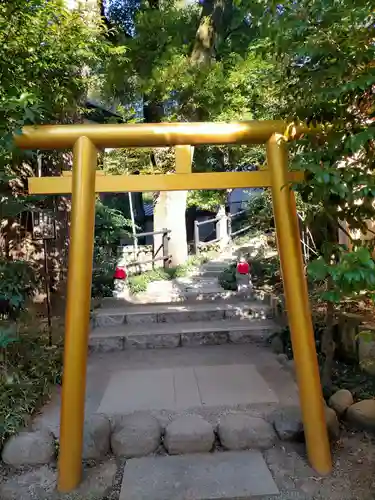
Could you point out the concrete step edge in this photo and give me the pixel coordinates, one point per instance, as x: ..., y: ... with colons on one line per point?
x: 175, y: 307
x: 119, y: 339
x: 187, y: 327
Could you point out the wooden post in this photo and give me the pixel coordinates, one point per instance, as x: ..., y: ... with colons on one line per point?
x: 229, y: 219
x: 166, y: 261
x: 196, y: 237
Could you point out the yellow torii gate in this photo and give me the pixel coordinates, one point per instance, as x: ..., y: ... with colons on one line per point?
x: 85, y: 182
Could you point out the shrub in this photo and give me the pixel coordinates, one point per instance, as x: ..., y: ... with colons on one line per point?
x: 227, y: 278
x: 102, y: 275
x: 260, y: 211
x: 110, y: 226
x: 28, y: 370
x: 18, y: 281
x: 139, y: 282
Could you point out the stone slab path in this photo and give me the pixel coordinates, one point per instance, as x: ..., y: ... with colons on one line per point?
x: 209, y: 380
x: 184, y: 388
x: 226, y: 476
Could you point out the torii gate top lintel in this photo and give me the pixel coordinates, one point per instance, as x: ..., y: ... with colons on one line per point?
x: 151, y: 134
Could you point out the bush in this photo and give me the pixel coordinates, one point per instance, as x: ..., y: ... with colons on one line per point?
x: 28, y: 370
x: 260, y: 211
x: 18, y: 281
x: 263, y: 270
x: 104, y: 266
x: 227, y: 278
x: 110, y: 226
x: 139, y: 282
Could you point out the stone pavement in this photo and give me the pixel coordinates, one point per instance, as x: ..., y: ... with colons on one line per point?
x: 207, y: 380
x: 230, y: 475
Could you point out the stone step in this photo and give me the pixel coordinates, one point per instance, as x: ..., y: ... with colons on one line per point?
x: 200, y: 282
x: 215, y: 265
x: 239, y: 475
x: 192, y: 295
x: 182, y: 334
x: 209, y: 273
x: 176, y: 312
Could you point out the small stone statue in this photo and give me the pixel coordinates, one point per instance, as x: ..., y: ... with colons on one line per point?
x: 243, y: 278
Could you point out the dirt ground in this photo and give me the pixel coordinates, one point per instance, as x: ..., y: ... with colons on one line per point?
x: 353, y: 476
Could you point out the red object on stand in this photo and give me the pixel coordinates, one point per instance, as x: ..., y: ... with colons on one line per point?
x: 120, y: 273
x: 243, y: 268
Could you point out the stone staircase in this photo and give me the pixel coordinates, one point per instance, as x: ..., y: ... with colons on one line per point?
x: 198, y: 311
x: 175, y: 325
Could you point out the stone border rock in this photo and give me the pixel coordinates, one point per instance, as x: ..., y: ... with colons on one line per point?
x: 189, y: 434
x: 359, y: 415
x: 242, y: 432
x: 29, y: 448
x: 136, y: 436
x: 141, y: 434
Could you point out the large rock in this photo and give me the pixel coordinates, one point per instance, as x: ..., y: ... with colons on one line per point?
x: 289, y: 426
x: 332, y: 422
x: 189, y: 434
x: 282, y: 359
x: 29, y: 448
x: 362, y: 415
x: 366, y: 348
x: 340, y: 401
x: 241, y: 432
x: 96, y: 437
x: 277, y: 345
x: 288, y: 423
x: 135, y: 436
x: 40, y: 484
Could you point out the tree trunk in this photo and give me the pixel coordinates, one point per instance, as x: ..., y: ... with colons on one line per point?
x: 211, y: 26
x: 328, y: 348
x: 170, y: 208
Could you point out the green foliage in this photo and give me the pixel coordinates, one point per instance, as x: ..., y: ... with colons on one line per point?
x: 264, y: 271
x: 325, y: 73
x: 27, y: 373
x: 18, y: 281
x: 7, y: 336
x: 351, y: 275
x: 104, y: 264
x: 110, y: 226
x: 139, y: 283
x: 259, y: 210
x: 227, y: 278
x: 206, y: 199
x: 44, y: 50
x: 159, y: 70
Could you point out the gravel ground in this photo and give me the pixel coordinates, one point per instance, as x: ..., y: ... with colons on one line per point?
x: 352, y: 479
